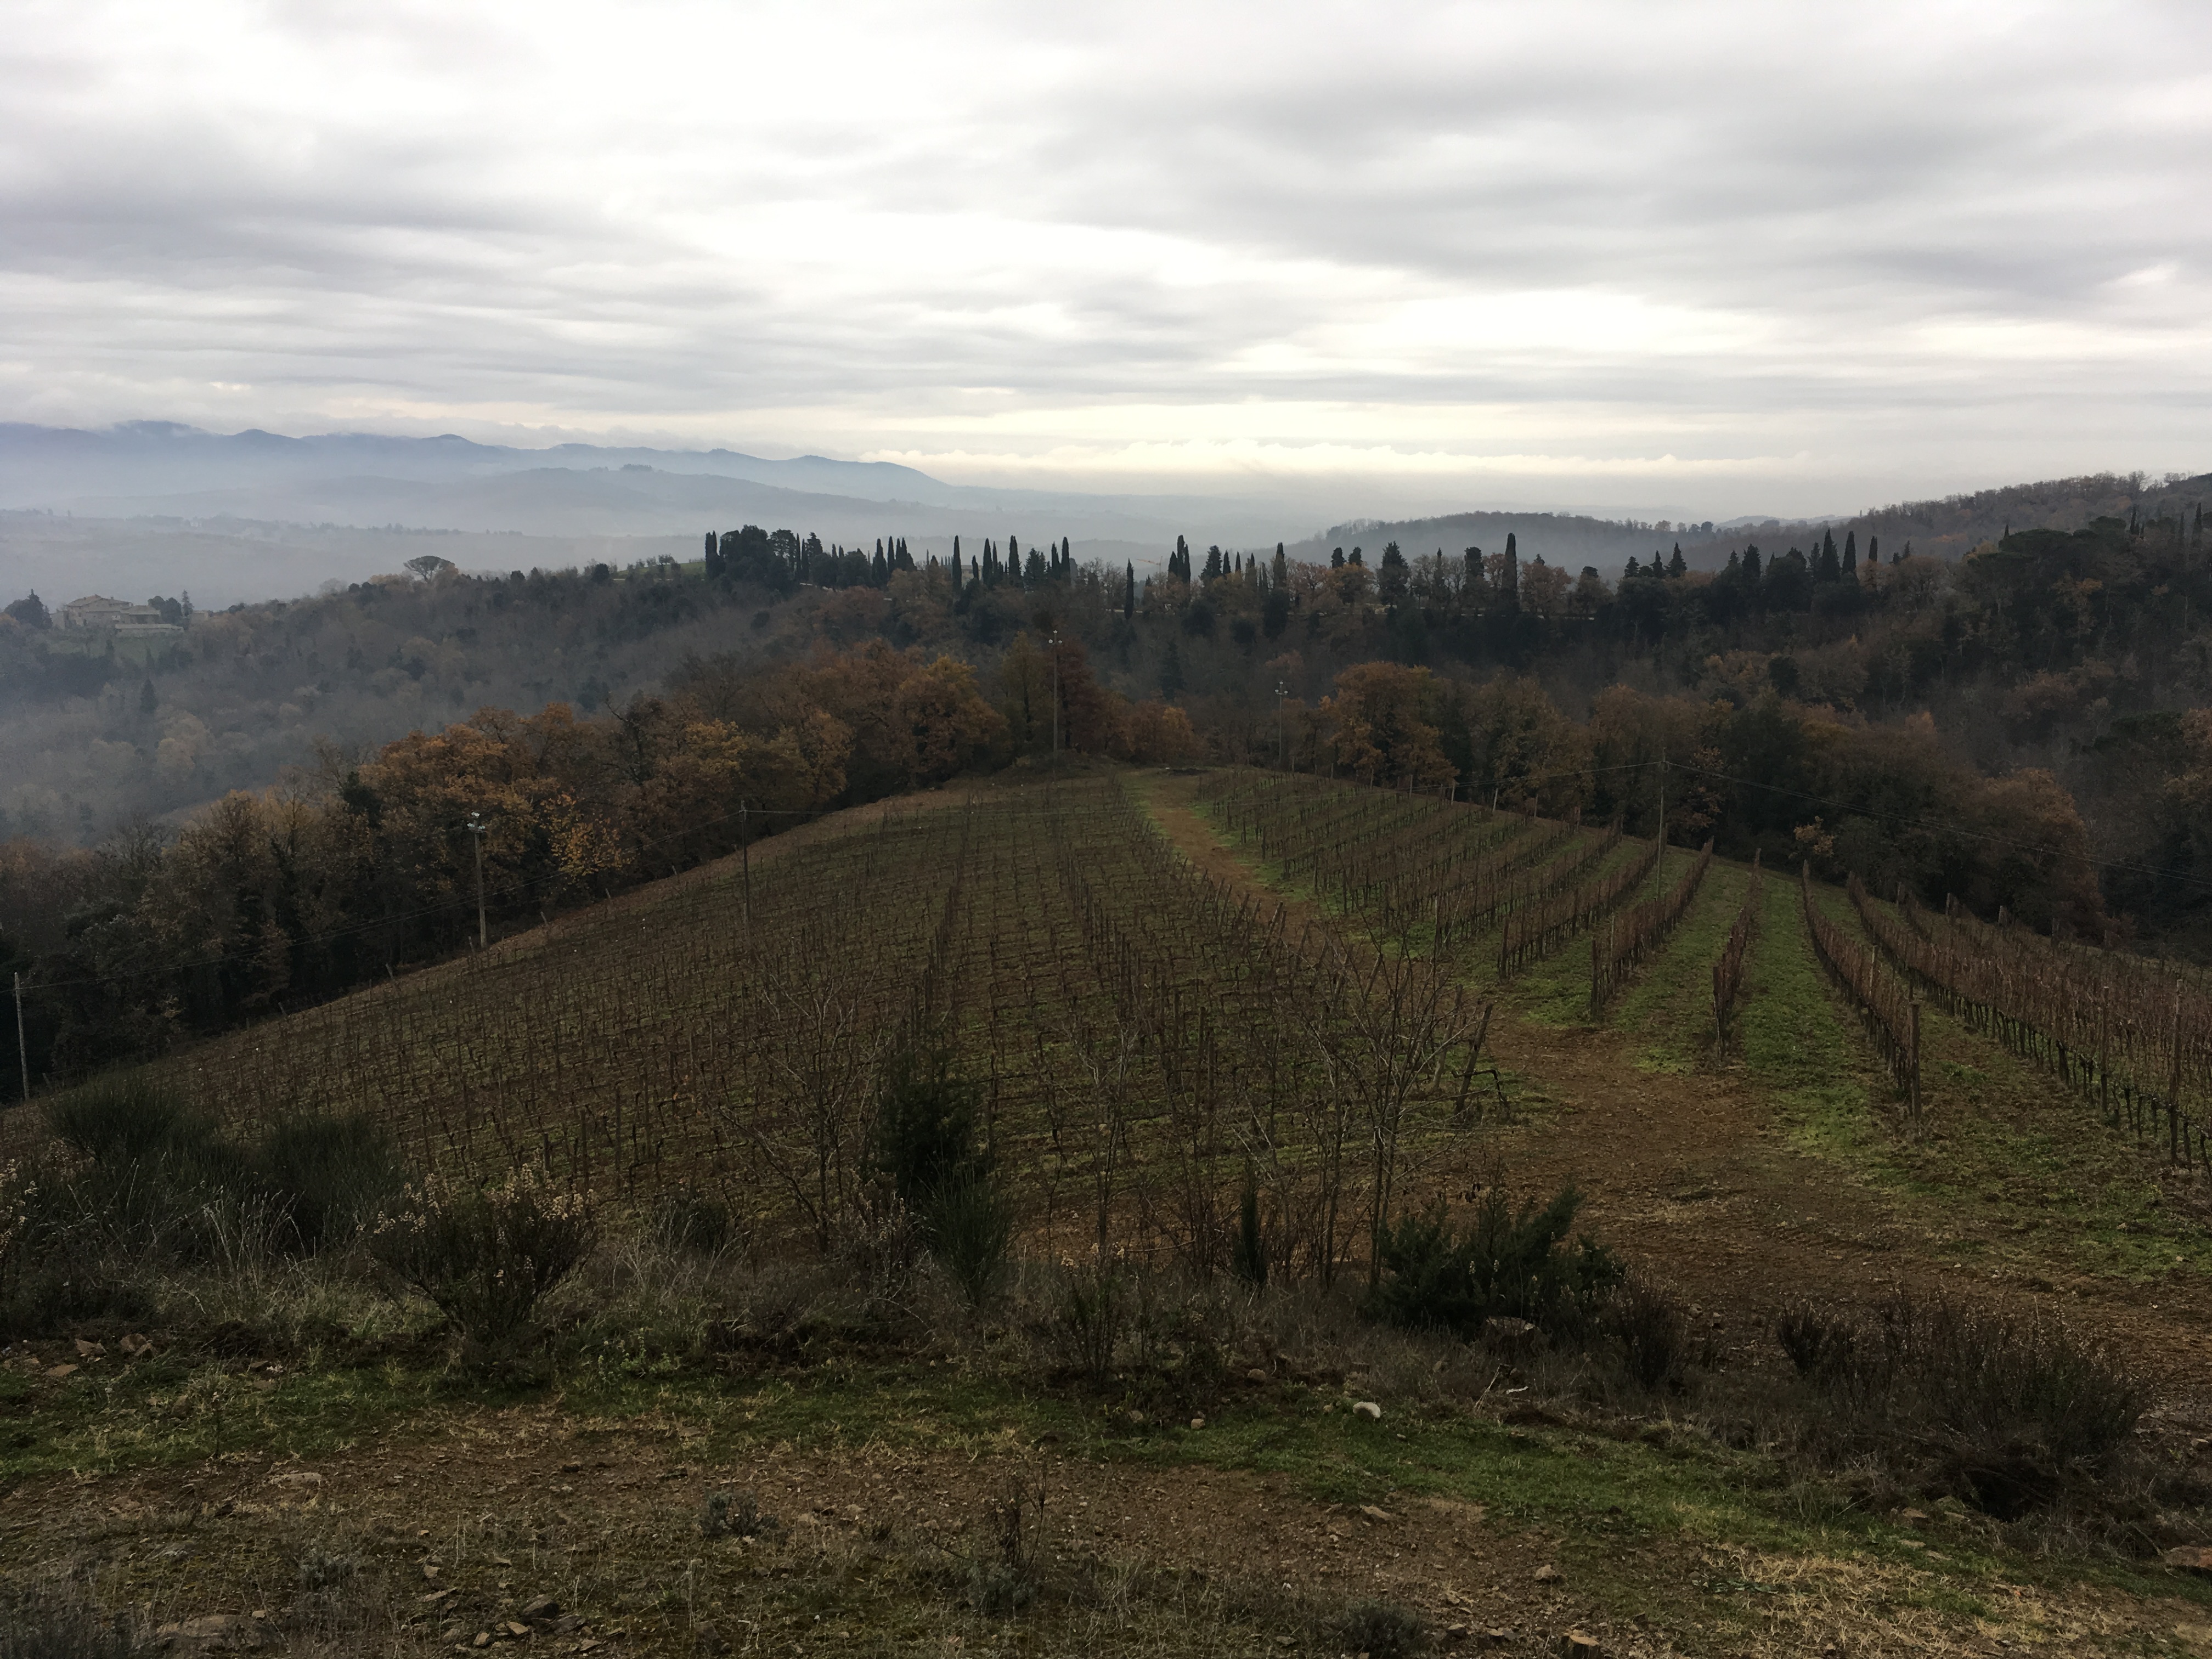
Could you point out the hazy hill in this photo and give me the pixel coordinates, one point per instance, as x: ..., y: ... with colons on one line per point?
x: 1947, y: 527
x: 158, y: 468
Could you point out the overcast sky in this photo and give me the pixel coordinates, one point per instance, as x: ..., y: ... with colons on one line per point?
x: 1712, y: 259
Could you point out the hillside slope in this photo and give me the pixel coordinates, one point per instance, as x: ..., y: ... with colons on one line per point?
x: 1162, y: 990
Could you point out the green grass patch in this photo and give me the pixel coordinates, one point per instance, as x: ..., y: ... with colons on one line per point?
x: 1555, y: 991
x: 1668, y: 1008
x: 1798, y: 1042
x: 2013, y: 1169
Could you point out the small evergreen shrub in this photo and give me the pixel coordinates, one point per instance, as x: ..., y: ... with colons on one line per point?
x: 121, y: 1120
x: 689, y: 1220
x: 969, y: 1232
x: 927, y: 1126
x: 1249, y: 1255
x: 1508, y: 1264
x: 326, y: 1176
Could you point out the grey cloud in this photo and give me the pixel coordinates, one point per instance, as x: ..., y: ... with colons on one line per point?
x: 1839, y: 182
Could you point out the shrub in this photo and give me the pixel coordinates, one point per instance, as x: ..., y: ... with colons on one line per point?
x: 926, y: 1124
x: 1381, y: 1630
x: 485, y: 1257
x: 1815, y: 1341
x: 970, y: 1232
x: 1249, y: 1256
x: 1509, y: 1264
x: 1085, y: 1328
x: 1648, y: 1323
x: 324, y: 1570
x: 687, y: 1220
x: 121, y: 1120
x: 2004, y: 1409
x: 327, y: 1176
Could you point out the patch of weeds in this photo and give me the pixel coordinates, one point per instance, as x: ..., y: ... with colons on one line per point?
x: 326, y: 1570
x: 2007, y: 1410
x: 52, y: 1623
x: 735, y: 1515
x: 1005, y: 1581
x: 1381, y: 1630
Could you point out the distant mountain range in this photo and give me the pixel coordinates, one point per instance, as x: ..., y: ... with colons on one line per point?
x: 247, y: 515
x: 158, y: 468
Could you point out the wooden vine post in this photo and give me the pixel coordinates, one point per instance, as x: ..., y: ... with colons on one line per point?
x: 2173, y: 1086
x: 1913, y: 1085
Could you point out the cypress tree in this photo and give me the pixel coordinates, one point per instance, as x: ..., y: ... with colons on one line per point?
x: 1129, y: 591
x: 1631, y: 571
x: 1282, y: 573
x: 1751, y: 564
x: 1336, y: 558
x: 1873, y: 550
x: 1510, y: 582
x: 1677, y: 565
x: 1851, y: 555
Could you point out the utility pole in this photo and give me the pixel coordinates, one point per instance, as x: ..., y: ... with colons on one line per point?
x: 23, y: 1048
x: 477, y: 827
x: 1054, y: 643
x: 1282, y: 752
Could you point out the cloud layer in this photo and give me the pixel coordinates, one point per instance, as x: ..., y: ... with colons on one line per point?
x: 1728, y: 257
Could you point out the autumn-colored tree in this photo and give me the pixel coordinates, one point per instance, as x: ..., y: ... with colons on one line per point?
x: 1525, y: 752
x: 1384, y: 733
x: 1157, y: 734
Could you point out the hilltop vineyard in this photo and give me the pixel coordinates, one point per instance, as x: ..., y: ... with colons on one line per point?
x: 1145, y: 1039
x: 1149, y: 1043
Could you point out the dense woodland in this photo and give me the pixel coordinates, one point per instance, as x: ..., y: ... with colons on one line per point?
x: 2021, y: 726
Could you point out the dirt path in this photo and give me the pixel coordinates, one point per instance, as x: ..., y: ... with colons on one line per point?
x: 1688, y: 1172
